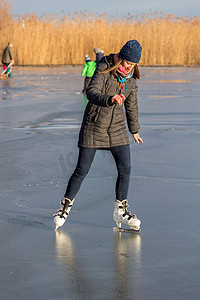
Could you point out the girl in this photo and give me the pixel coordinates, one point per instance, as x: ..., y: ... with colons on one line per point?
x: 103, y: 127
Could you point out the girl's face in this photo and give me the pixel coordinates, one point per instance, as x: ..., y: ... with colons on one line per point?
x: 126, y: 66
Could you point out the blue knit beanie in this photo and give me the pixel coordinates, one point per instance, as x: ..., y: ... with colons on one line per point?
x: 131, y: 51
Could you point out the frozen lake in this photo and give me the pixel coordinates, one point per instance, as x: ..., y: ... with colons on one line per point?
x: 40, y: 114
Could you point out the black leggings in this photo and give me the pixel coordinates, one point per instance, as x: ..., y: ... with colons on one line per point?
x: 122, y: 159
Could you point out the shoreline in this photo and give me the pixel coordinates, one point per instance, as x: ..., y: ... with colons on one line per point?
x: 80, y: 65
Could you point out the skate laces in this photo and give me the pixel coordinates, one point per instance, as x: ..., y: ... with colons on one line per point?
x: 127, y: 213
x: 62, y: 211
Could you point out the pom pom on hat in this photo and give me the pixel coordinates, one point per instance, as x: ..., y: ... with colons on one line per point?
x: 96, y: 50
x: 131, y: 51
x: 87, y: 57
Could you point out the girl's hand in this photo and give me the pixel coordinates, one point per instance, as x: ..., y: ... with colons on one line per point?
x: 118, y: 99
x: 137, y: 138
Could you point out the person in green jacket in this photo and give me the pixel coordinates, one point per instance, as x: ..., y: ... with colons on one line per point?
x: 88, y: 70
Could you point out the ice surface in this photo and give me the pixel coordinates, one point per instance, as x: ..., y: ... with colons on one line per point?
x: 40, y: 115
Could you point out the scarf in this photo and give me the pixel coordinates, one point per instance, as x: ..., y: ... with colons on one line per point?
x: 121, y: 84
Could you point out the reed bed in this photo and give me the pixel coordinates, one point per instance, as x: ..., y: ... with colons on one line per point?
x: 49, y: 40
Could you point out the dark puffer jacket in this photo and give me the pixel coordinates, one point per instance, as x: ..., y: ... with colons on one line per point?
x: 104, y: 124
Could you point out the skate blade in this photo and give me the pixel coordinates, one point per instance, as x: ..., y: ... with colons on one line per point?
x: 126, y: 230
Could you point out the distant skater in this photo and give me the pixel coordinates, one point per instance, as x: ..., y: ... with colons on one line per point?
x: 112, y: 95
x: 8, y: 59
x: 99, y: 54
x: 88, y: 70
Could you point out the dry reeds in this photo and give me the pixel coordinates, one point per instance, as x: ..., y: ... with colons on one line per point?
x: 48, y: 40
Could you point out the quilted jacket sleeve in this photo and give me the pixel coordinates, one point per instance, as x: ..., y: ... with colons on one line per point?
x: 95, y: 91
x: 131, y: 107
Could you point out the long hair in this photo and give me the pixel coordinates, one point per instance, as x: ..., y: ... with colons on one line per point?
x: 113, y: 69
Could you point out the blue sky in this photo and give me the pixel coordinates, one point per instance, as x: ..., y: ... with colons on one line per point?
x: 110, y: 7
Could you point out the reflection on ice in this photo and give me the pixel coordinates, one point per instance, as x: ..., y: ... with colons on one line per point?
x: 124, y: 266
x: 127, y: 263
x: 6, y: 92
x: 64, y: 249
x: 66, y: 255
x: 128, y: 245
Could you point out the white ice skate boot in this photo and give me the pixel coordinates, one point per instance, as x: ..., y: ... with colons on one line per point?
x: 61, y: 215
x: 122, y: 216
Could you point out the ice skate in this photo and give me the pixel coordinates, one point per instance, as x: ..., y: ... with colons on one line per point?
x: 122, y: 216
x: 61, y: 215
